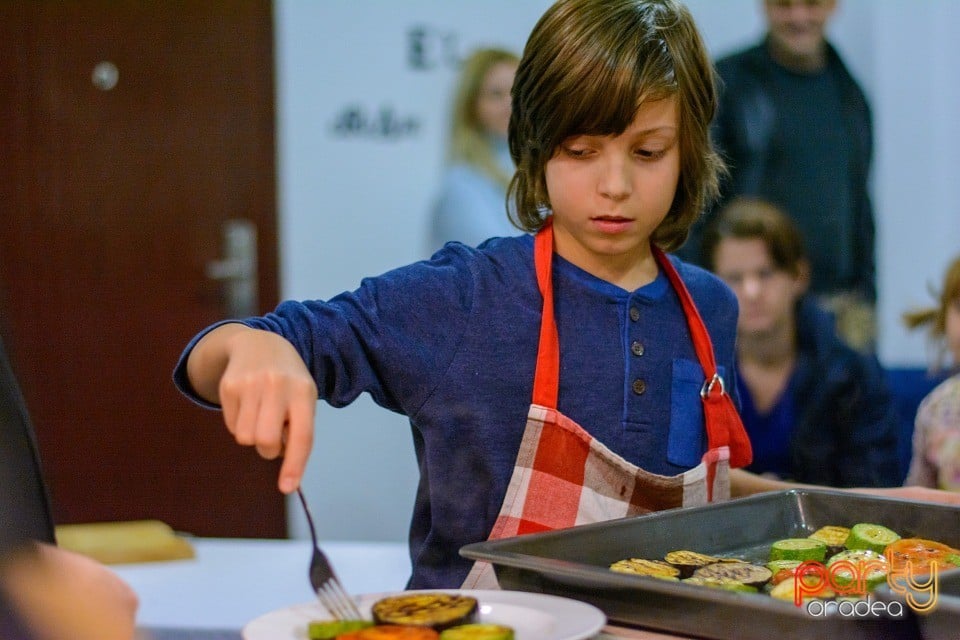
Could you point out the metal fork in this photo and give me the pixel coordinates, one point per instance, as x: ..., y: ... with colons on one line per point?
x: 330, y: 592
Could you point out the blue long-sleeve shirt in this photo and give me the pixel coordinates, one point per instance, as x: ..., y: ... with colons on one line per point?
x: 452, y: 342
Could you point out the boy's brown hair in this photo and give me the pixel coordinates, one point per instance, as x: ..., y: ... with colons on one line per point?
x: 586, y: 69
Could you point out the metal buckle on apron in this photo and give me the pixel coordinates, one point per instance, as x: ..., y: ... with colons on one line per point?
x: 708, y: 385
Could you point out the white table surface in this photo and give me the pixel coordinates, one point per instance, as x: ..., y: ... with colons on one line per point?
x: 232, y: 581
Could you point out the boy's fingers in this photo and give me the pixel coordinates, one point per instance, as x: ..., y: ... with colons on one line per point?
x: 270, y: 429
x: 299, y: 442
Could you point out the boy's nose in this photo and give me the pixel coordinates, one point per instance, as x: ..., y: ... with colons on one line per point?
x: 614, y: 179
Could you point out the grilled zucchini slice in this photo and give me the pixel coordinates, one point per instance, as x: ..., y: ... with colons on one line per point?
x: 876, y: 574
x: 478, y: 631
x: 641, y: 567
x: 786, y: 590
x: 779, y: 565
x: 801, y: 549
x: 720, y: 583
x: 833, y: 536
x: 330, y: 629
x: 871, y: 536
x: 435, y: 610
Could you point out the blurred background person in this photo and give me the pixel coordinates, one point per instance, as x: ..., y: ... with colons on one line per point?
x: 816, y: 410
x: 472, y: 203
x: 46, y: 593
x: 796, y: 129
x: 936, y: 434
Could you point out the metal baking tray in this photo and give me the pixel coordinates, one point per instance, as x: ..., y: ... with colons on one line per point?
x: 942, y: 622
x: 574, y: 563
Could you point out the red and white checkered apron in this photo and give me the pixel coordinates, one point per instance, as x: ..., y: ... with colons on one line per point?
x: 564, y: 477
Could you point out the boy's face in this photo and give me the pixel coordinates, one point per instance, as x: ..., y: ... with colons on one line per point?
x: 609, y: 193
x: 766, y: 293
x: 798, y: 27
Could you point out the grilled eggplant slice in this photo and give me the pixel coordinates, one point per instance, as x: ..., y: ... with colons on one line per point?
x: 435, y: 610
x: 651, y: 568
x: 689, y: 561
x: 747, y: 573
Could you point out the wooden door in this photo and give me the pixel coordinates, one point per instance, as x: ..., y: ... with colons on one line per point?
x: 131, y: 133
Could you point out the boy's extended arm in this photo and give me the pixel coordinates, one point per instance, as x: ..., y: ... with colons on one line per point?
x: 267, y: 394
x: 743, y: 483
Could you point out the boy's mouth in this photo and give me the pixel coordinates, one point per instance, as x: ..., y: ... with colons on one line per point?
x: 611, y: 224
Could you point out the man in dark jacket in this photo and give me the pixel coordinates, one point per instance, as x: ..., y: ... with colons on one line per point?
x: 795, y: 129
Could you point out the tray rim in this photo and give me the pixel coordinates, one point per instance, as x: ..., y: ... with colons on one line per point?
x: 586, y: 575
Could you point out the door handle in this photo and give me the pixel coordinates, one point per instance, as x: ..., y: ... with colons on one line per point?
x: 238, y: 268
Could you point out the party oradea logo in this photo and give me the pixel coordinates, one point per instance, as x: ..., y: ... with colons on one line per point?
x: 844, y: 587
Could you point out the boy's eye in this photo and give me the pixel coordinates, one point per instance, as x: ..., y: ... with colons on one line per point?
x: 651, y: 154
x: 576, y: 152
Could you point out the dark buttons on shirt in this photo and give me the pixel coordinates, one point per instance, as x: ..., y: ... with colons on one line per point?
x: 634, y: 314
x: 637, y: 348
x: 639, y: 386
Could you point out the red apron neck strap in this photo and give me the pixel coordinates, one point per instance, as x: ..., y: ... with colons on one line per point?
x: 701, y: 338
x: 546, y: 380
x: 724, y: 426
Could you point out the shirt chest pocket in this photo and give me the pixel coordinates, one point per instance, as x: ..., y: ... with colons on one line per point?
x: 687, y: 438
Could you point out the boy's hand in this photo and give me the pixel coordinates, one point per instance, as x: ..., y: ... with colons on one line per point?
x: 267, y: 394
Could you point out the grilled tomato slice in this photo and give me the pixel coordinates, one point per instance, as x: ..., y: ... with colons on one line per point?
x: 919, y: 552
x: 391, y: 632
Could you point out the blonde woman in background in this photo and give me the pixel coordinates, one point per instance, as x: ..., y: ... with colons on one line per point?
x: 936, y: 435
x: 472, y: 203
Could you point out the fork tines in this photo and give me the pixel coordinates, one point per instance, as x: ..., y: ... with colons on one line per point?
x: 337, y: 601
x: 324, y: 581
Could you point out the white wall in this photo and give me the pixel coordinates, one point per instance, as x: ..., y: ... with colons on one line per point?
x: 354, y: 203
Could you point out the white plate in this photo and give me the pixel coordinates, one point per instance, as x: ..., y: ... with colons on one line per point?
x: 533, y: 616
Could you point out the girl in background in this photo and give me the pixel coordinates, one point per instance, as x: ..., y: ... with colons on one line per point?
x: 472, y: 203
x: 936, y: 434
